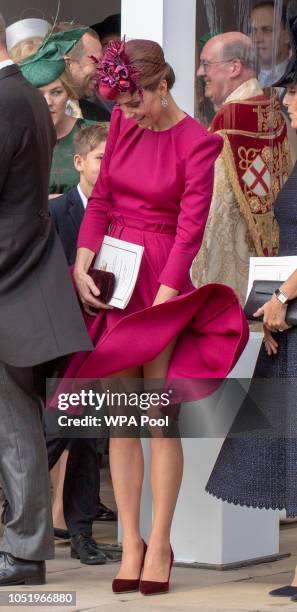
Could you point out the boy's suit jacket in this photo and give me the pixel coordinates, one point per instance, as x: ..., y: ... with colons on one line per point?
x: 67, y: 213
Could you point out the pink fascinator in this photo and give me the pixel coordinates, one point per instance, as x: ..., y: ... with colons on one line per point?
x: 116, y: 75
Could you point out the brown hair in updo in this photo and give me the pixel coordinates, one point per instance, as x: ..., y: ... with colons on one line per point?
x: 148, y: 58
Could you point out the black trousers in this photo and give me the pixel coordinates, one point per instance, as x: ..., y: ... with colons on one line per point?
x: 82, y: 481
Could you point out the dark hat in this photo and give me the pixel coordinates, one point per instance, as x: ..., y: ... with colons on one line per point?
x: 290, y: 75
x: 110, y: 25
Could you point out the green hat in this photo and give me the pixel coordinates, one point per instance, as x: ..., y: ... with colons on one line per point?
x: 47, y: 64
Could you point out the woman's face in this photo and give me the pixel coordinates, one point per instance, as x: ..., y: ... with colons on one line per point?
x: 290, y: 101
x: 145, y: 110
x: 56, y: 97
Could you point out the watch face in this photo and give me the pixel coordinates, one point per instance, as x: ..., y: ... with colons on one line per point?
x: 281, y: 297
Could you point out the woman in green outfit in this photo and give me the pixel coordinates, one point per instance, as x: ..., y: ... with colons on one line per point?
x: 46, y: 70
x: 63, y: 174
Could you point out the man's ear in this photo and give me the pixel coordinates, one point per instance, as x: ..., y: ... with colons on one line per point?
x: 67, y: 59
x: 78, y: 162
x: 236, y: 68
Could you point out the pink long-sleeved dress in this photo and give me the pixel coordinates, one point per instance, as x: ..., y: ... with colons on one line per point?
x: 155, y: 189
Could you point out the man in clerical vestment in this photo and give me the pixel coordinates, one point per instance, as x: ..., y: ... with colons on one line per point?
x: 251, y: 170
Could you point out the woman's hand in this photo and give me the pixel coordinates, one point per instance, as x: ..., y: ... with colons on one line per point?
x: 88, y: 293
x: 270, y: 342
x: 274, y: 315
x: 164, y: 293
x: 87, y: 290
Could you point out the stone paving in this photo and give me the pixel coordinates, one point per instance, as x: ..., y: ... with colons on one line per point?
x: 239, y: 590
x: 242, y: 590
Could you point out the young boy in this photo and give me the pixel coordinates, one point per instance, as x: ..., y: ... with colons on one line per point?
x: 68, y: 210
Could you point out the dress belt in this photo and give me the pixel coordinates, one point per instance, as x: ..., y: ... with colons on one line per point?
x: 143, y: 225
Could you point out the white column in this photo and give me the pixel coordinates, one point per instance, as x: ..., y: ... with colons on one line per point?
x: 207, y: 530
x: 171, y: 23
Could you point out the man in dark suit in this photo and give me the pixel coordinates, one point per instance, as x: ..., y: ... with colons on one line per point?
x: 40, y: 320
x: 80, y: 493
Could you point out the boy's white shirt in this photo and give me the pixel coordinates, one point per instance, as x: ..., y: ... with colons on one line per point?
x: 83, y: 197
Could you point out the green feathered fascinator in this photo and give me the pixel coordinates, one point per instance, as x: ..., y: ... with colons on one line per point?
x: 47, y: 64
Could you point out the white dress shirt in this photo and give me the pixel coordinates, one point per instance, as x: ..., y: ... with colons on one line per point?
x: 83, y: 197
x: 5, y: 63
x: 272, y: 75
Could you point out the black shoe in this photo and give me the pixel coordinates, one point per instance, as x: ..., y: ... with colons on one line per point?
x: 61, y: 534
x: 83, y: 547
x: 103, y: 513
x: 20, y: 571
x: 285, y: 591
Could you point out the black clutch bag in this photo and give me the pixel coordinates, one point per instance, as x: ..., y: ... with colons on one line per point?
x: 262, y: 291
x: 105, y: 281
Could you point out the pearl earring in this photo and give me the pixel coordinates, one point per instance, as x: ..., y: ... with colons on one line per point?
x: 164, y: 101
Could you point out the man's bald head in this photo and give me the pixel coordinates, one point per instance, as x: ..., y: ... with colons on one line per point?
x: 234, y: 45
x: 227, y: 60
x: 230, y: 37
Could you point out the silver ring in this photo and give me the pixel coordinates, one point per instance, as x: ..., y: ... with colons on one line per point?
x: 281, y: 330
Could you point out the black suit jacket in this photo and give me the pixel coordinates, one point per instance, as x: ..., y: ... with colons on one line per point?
x: 67, y: 213
x: 40, y: 316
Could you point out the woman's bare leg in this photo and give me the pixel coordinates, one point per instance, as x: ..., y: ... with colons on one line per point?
x: 126, y: 465
x: 166, y: 477
x: 294, y: 581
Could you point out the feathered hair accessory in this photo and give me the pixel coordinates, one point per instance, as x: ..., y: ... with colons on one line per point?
x: 116, y: 75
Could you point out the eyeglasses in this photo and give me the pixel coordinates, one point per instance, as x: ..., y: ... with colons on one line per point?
x: 205, y: 64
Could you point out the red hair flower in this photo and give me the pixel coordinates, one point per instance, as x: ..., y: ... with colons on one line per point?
x: 116, y: 75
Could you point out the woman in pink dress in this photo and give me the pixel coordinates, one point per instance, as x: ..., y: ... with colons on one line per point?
x: 154, y: 189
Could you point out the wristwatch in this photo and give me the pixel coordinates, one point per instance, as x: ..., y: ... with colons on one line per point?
x: 281, y: 297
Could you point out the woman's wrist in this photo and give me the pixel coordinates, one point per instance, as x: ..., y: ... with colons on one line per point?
x: 83, y: 261
x: 289, y: 287
x: 277, y: 302
x: 281, y: 295
x: 165, y: 293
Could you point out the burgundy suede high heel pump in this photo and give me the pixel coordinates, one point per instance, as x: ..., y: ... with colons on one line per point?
x: 124, y: 585
x: 151, y: 587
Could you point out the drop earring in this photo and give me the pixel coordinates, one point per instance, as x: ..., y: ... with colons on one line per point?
x: 164, y: 101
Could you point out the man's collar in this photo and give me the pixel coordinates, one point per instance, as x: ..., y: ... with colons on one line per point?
x: 248, y: 89
x: 281, y: 66
x: 268, y: 76
x: 5, y: 63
